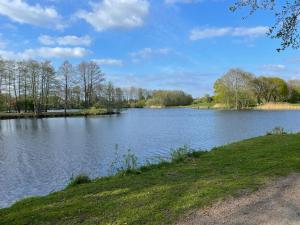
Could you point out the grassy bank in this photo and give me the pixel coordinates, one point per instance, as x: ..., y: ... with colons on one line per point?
x: 88, y: 112
x: 161, y: 194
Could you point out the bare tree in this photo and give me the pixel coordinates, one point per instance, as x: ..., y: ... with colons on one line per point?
x: 66, y: 70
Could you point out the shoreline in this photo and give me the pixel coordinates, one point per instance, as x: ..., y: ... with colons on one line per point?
x: 162, y: 193
x: 8, y: 116
x: 280, y: 106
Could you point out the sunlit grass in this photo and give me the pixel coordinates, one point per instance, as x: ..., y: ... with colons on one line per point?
x: 278, y: 106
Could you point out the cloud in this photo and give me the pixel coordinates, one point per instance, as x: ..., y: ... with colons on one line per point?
x: 70, y: 40
x: 181, y: 1
x: 45, y: 53
x: 273, y: 67
x: 110, y: 62
x: 205, y: 33
x: 148, y: 52
x: 108, y: 14
x: 21, y: 12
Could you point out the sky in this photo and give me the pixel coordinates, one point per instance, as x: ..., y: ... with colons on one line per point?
x: 153, y: 44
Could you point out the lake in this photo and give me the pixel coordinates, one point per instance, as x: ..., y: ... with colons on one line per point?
x: 38, y: 156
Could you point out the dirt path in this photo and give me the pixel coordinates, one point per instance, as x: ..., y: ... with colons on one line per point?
x: 278, y: 204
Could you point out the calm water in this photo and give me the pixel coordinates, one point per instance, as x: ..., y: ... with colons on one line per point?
x: 40, y: 156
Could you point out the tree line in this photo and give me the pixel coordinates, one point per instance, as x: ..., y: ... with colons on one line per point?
x: 33, y: 86
x: 240, y: 89
x: 140, y: 98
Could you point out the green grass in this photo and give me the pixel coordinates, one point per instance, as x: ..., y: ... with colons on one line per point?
x: 161, y: 194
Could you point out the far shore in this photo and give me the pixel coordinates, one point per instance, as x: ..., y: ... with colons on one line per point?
x: 27, y: 115
x: 217, y: 106
x: 266, y: 107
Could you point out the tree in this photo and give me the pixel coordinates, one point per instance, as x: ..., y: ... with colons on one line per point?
x: 66, y: 70
x: 234, y: 89
x: 286, y: 15
x: 91, y: 77
x: 164, y: 98
x: 34, y: 73
x: 269, y: 89
x: 109, y: 93
x: 119, y: 99
x: 294, y: 91
x: 83, y: 72
x: 48, y: 82
x: 95, y: 77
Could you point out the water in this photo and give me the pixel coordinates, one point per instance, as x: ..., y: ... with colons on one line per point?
x: 38, y: 156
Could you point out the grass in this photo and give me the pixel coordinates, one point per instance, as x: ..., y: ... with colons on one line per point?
x: 267, y: 106
x: 87, y: 112
x: 160, y: 194
x: 278, y: 106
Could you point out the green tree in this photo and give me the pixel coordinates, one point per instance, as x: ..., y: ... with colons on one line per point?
x: 234, y: 89
x: 169, y: 98
x: 294, y: 91
x: 269, y: 89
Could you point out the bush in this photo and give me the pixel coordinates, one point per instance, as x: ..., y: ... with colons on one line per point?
x: 138, y: 104
x: 94, y: 111
x: 78, y: 180
x: 170, y: 98
x: 277, y: 131
x: 179, y: 154
x: 125, y: 164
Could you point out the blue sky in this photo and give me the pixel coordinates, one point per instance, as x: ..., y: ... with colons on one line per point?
x: 161, y: 44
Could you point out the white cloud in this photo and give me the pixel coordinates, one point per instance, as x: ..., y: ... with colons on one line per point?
x: 273, y: 67
x: 70, y: 40
x: 21, y: 12
x: 45, y: 53
x: 116, y: 14
x: 148, y: 52
x: 181, y: 1
x: 199, y: 34
x: 110, y: 62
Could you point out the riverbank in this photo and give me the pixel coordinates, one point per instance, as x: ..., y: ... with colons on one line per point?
x: 278, y: 106
x: 6, y: 116
x: 266, y: 107
x: 161, y: 194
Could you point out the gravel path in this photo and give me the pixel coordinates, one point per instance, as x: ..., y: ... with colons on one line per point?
x: 278, y: 204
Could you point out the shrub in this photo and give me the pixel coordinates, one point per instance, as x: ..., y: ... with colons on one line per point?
x: 180, y: 154
x: 169, y: 98
x: 277, y: 131
x: 80, y: 179
x: 138, y: 104
x: 94, y: 111
x: 125, y: 164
